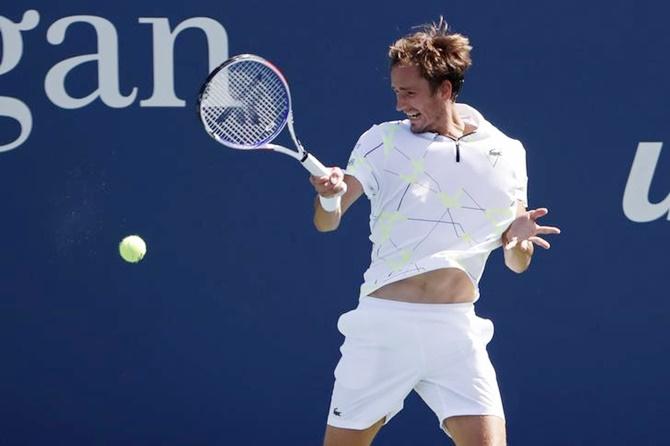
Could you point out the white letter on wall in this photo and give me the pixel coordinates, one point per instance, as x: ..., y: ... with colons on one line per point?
x: 636, y: 205
x: 12, y: 51
x: 108, y: 66
x: 217, y: 44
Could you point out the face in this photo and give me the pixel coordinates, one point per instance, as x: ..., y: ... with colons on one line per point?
x: 427, y: 111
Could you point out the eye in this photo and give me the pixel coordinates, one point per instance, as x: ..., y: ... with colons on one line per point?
x: 403, y: 93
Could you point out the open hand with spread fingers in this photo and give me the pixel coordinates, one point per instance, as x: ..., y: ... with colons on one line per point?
x: 524, y: 231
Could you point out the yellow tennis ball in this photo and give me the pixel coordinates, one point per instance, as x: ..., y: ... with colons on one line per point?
x: 132, y: 248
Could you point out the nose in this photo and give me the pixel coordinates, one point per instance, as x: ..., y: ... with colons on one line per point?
x: 399, y: 103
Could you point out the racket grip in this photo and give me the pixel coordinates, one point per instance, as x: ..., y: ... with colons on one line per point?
x: 314, y: 166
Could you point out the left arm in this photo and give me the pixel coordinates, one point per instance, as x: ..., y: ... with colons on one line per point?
x: 520, y: 236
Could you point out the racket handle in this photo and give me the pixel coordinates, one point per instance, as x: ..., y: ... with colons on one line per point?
x: 314, y: 166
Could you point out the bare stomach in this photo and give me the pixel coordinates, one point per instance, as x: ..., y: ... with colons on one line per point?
x: 441, y: 286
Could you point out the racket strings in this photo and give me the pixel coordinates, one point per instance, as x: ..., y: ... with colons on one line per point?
x: 244, y: 124
x: 246, y: 104
x: 228, y: 122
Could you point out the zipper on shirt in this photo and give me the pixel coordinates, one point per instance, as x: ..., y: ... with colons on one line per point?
x: 458, y: 144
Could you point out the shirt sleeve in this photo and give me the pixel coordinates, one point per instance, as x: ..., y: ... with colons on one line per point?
x: 520, y: 174
x: 360, y: 164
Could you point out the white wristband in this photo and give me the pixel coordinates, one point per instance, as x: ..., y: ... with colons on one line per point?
x: 329, y: 204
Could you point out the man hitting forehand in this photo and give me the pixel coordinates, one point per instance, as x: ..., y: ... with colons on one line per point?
x: 446, y: 188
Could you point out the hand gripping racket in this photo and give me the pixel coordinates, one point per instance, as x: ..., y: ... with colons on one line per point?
x: 245, y: 103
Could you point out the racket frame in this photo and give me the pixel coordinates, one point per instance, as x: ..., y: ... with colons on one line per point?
x: 309, y: 162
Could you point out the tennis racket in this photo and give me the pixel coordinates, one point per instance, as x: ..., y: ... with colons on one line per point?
x: 245, y: 103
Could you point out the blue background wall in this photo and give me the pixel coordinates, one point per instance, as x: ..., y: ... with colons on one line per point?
x: 225, y: 333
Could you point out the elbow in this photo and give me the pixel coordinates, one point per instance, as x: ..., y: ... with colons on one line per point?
x: 324, y: 228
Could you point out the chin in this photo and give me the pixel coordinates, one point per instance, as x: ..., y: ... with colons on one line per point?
x: 416, y: 128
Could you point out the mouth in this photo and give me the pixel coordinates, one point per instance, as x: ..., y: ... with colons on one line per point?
x: 413, y: 116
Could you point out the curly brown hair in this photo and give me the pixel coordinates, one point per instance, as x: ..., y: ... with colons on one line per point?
x: 439, y: 54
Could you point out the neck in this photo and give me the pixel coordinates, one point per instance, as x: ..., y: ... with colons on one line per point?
x: 454, y: 126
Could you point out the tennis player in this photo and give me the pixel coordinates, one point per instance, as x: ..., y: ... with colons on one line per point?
x: 446, y: 188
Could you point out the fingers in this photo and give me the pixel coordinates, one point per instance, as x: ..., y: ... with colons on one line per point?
x: 322, y: 185
x: 537, y: 213
x: 539, y: 242
x: 525, y: 245
x: 548, y: 230
x: 534, y: 215
x: 512, y: 243
x: 336, y: 175
x: 329, y: 185
x: 337, y: 180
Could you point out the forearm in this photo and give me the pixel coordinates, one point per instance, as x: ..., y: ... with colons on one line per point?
x: 516, y: 258
x: 520, y: 238
x: 326, y: 221
x: 349, y: 192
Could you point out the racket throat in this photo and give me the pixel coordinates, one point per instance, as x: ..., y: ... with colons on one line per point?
x: 298, y: 144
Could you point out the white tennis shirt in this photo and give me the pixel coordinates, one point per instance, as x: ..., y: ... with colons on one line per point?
x: 437, y: 202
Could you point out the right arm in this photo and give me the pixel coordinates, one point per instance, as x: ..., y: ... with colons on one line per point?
x: 329, y: 186
x: 336, y: 181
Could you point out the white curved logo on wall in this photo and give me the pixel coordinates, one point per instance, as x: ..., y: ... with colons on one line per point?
x: 107, y: 60
x: 636, y: 204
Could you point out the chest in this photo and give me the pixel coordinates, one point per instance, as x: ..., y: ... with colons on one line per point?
x: 484, y: 168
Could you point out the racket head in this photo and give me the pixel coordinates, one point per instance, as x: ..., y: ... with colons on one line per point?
x: 245, y: 102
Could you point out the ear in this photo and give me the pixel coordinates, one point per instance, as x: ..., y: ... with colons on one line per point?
x: 445, y: 90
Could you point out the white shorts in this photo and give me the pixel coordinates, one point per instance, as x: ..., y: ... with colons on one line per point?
x: 392, y: 348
